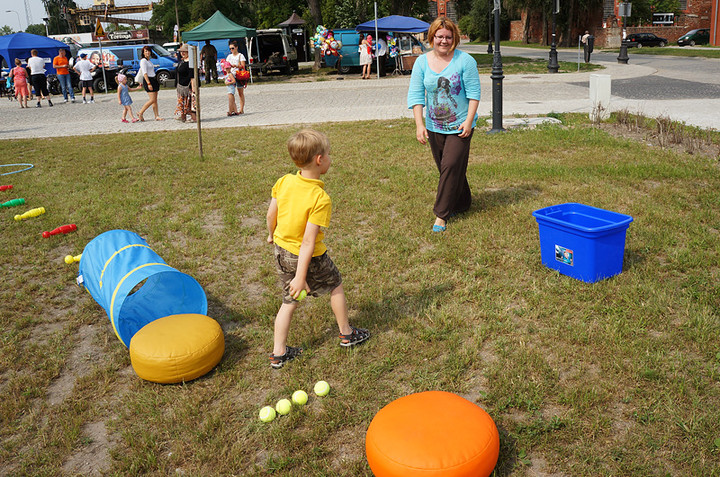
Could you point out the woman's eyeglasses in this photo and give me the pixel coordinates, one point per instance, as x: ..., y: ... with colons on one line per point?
x: 233, y: 48
x: 445, y: 38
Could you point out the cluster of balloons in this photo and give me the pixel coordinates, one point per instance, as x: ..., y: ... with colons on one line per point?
x: 325, y: 41
x: 392, y: 46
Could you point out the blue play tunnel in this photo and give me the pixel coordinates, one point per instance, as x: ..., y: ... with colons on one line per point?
x: 134, y: 285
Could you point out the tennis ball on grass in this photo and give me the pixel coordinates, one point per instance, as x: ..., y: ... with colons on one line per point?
x: 283, y: 407
x: 299, y: 397
x: 267, y: 414
x: 322, y: 388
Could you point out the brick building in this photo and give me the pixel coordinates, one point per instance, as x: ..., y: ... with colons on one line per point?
x: 443, y: 8
x: 606, y: 25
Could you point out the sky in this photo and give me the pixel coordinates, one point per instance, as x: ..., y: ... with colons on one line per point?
x: 37, y: 11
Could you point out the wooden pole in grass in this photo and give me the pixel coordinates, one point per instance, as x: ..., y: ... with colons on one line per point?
x: 196, y: 83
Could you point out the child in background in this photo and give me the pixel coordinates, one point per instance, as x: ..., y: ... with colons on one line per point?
x: 124, y: 98
x: 231, y: 85
x: 19, y: 76
x: 298, y: 209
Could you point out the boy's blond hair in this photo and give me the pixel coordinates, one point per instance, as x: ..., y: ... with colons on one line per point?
x: 304, y: 145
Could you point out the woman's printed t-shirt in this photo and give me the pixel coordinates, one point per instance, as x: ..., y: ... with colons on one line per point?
x: 445, y: 95
x: 300, y: 200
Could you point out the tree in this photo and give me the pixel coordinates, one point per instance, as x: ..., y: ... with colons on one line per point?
x: 642, y: 10
x: 6, y: 30
x: 36, y: 29
x: 193, y: 12
x: 54, y: 8
x: 476, y: 22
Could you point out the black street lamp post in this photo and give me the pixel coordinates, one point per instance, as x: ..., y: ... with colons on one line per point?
x: 553, y: 65
x: 624, y: 10
x: 497, y: 77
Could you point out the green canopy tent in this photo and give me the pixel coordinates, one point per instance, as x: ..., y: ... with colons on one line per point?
x: 217, y: 27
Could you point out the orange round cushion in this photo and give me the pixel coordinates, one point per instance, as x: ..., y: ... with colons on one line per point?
x: 432, y: 433
x: 177, y: 348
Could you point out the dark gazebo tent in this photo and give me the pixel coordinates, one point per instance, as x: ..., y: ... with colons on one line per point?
x: 217, y: 27
x: 293, y: 25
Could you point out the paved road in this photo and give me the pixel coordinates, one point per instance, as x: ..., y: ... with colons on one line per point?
x: 352, y: 99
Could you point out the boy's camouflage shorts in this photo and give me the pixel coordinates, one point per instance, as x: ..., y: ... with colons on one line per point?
x: 322, y: 276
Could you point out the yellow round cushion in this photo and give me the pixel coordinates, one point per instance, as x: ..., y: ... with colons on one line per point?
x: 177, y: 348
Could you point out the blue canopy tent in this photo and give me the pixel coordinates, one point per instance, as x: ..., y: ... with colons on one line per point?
x: 18, y: 45
x: 394, y: 23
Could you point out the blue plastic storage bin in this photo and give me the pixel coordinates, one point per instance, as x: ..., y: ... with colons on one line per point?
x: 581, y: 241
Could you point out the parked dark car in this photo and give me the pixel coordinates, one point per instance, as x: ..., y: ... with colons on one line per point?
x: 700, y: 36
x: 638, y: 40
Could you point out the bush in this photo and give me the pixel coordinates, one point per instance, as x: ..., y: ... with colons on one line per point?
x: 470, y: 26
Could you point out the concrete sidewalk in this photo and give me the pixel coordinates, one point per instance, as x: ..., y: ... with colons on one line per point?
x: 346, y: 98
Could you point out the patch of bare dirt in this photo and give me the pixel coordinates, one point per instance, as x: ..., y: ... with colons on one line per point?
x: 79, y: 364
x: 348, y: 448
x: 213, y: 222
x: 94, y: 457
x: 539, y: 467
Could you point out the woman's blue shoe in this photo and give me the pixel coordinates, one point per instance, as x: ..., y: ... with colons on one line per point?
x: 439, y: 228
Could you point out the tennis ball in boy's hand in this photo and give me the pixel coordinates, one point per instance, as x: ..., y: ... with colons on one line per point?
x: 283, y: 407
x: 322, y: 388
x: 299, y: 397
x: 302, y: 295
x: 267, y: 414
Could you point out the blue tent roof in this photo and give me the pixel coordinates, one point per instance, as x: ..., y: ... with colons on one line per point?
x: 396, y: 23
x: 18, y: 45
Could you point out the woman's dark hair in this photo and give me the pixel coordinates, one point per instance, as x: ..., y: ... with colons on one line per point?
x: 148, y: 48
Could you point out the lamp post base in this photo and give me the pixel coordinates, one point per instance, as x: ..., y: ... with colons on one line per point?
x: 553, y: 66
x: 623, y: 56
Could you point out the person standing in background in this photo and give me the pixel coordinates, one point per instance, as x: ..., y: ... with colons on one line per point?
x: 237, y: 63
x: 84, y: 68
x: 208, y: 55
x: 445, y: 83
x: 150, y: 84
x: 61, y: 64
x: 38, y: 78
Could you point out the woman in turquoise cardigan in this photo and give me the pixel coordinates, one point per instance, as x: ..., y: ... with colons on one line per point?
x: 445, y: 82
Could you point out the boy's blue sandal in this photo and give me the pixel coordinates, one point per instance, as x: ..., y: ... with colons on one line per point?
x: 357, y: 336
x: 291, y: 353
x: 439, y: 228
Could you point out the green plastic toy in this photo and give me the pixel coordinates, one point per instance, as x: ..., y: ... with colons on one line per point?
x: 13, y: 203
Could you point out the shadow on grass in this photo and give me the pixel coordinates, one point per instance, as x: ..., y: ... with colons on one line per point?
x: 491, y: 198
x: 632, y: 258
x: 394, y: 307
x: 508, y: 459
x: 230, y: 320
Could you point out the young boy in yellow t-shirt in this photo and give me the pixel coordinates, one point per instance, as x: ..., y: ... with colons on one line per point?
x: 298, y: 209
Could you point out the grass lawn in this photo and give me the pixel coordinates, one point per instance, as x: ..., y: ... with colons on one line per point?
x: 698, y: 51
x: 620, y: 377
x: 515, y: 65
